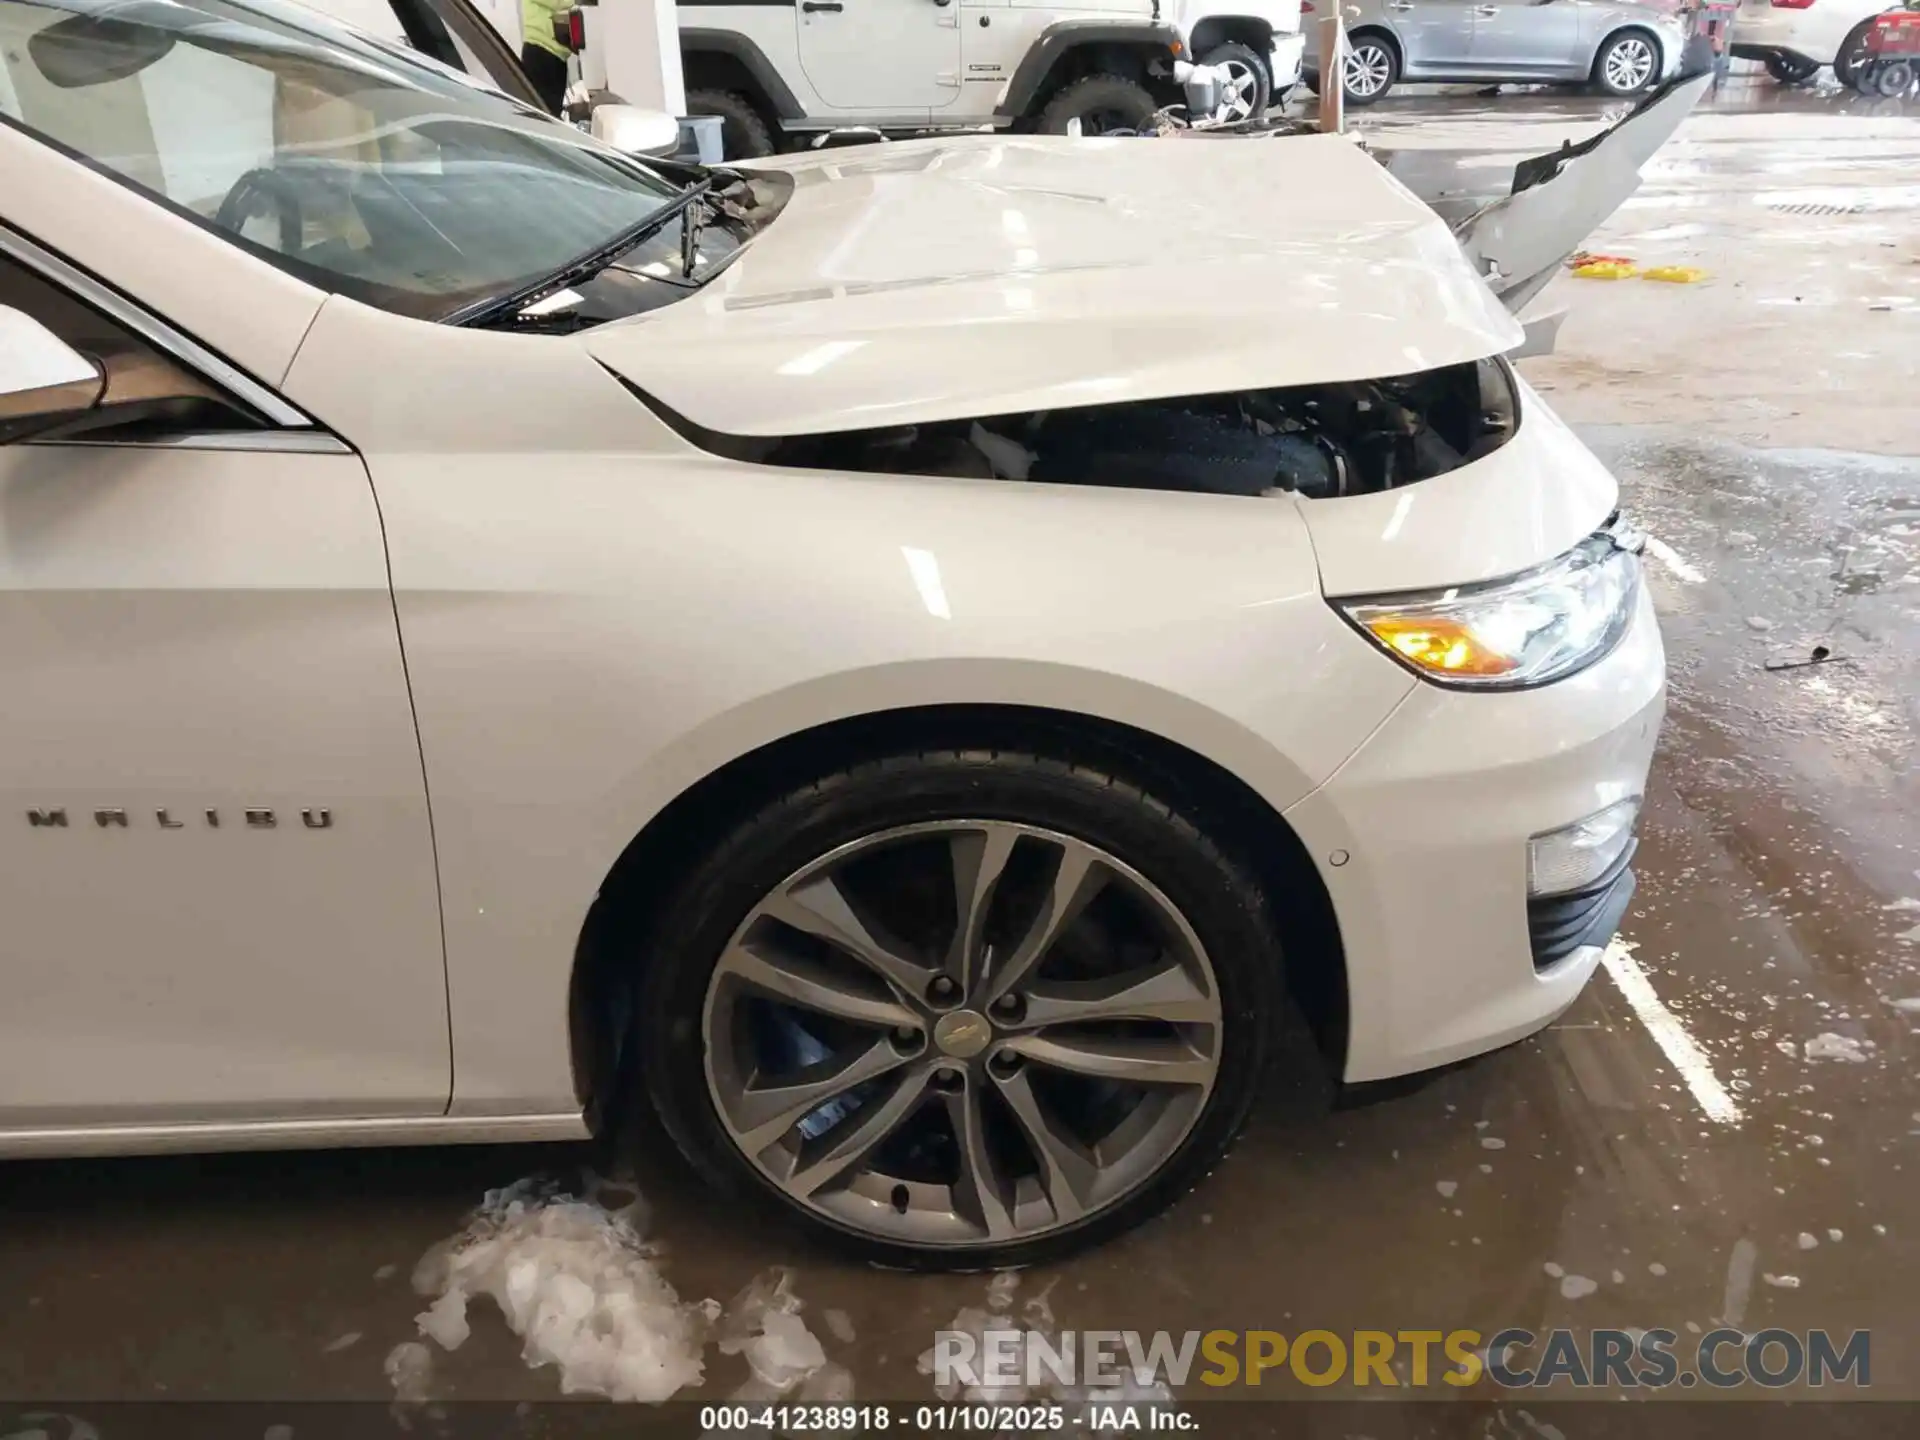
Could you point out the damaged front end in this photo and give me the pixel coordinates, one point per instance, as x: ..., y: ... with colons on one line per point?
x: 1317, y: 441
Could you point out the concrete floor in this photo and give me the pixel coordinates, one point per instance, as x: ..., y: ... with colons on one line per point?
x: 1757, y: 421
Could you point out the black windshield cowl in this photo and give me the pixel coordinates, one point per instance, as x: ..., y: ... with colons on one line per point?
x: 582, y: 266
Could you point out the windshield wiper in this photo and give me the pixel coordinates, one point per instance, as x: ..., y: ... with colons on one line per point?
x: 583, y: 266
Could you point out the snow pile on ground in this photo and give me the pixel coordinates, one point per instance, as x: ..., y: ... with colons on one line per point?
x: 577, y: 1283
x: 763, y: 1324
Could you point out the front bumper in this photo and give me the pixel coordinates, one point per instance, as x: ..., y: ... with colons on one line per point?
x: 1421, y: 839
x: 1286, y: 61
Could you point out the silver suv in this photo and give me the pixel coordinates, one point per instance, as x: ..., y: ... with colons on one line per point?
x: 1619, y: 47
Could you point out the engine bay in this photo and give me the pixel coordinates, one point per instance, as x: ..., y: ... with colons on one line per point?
x: 1317, y: 441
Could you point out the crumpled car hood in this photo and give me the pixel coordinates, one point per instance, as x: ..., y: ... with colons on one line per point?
x: 979, y: 275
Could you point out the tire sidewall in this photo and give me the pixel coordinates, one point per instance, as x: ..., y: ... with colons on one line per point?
x: 1210, y: 891
x: 1077, y: 99
x: 743, y: 134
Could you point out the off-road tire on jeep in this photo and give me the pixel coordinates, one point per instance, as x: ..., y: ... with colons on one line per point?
x: 743, y: 134
x: 1115, y: 102
x: 1232, y: 52
x: 684, y: 945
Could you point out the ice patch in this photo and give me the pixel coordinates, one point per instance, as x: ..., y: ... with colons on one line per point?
x: 410, y: 1371
x: 763, y: 1324
x: 1575, y: 1287
x: 1829, y: 1046
x: 579, y: 1286
x: 1656, y: 1268
x: 1553, y: 1269
x: 1447, y: 1187
x: 1488, y: 1142
x: 335, y: 1346
x: 1000, y: 1290
x: 839, y: 1324
x: 1807, y: 1242
x: 445, y: 1321
x: 1910, y: 1004
x: 1836, y: 1236
x: 1783, y: 1282
x: 277, y: 1432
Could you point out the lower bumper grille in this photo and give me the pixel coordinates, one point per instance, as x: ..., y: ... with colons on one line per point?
x: 1558, y: 925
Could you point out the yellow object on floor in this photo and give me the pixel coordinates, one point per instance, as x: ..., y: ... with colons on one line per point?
x: 1674, y: 274
x: 1605, y: 270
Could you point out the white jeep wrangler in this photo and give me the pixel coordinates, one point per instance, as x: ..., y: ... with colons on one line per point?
x: 780, y: 72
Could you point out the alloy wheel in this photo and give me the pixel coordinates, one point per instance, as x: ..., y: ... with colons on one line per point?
x: 961, y: 1033
x: 1369, y: 69
x: 1243, y: 88
x: 1629, y: 65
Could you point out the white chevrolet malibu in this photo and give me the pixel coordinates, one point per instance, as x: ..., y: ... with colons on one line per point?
x: 898, y: 660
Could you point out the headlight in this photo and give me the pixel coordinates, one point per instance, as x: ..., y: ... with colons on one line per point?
x: 1530, y: 629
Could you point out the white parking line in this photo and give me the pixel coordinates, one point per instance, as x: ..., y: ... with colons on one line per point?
x: 1668, y: 1033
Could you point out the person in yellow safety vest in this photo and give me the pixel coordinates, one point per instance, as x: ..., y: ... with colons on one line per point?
x: 543, y: 54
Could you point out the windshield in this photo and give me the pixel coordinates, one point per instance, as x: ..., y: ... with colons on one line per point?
x: 359, y: 167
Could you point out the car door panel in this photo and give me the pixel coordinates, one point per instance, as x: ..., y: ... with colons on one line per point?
x: 1435, y: 35
x: 881, y: 57
x: 216, y: 863
x: 1540, y: 39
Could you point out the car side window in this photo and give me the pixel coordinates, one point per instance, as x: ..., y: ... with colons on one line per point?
x: 150, y: 395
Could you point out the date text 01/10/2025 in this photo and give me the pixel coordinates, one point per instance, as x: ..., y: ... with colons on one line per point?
x: 1100, y: 1417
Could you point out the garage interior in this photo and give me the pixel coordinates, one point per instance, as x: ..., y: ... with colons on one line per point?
x: 1716, y: 1133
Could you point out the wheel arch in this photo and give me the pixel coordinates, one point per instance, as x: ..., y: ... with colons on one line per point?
x: 1254, y: 33
x: 643, y: 878
x: 726, y: 60
x: 1382, y: 32
x: 1073, y: 49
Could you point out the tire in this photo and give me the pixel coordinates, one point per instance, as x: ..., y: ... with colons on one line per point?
x: 1372, y: 69
x: 1310, y: 79
x: 1248, y: 69
x: 1893, y: 78
x: 1847, y: 59
x: 1101, y: 103
x: 743, y: 133
x: 687, y: 1032
x: 1790, y: 69
x: 1627, y: 64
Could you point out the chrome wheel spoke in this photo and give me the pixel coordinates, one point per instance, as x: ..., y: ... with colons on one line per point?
x: 810, y: 987
x: 1152, y: 1060
x: 857, y: 1136
x: 820, y: 908
x: 1168, y: 993
x: 1079, y: 878
x: 980, y: 1191
x: 761, y: 1114
x: 1067, y: 1171
x: 979, y: 859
